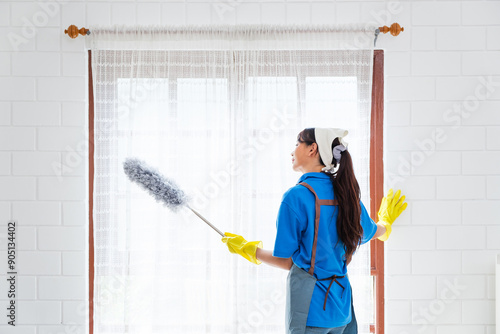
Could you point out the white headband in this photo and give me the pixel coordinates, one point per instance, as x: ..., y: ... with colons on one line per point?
x: 324, y: 139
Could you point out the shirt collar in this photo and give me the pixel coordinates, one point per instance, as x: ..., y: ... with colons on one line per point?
x: 313, y: 175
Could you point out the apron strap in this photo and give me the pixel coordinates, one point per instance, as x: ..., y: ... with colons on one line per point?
x: 318, y: 203
x: 332, y: 279
x: 327, y: 201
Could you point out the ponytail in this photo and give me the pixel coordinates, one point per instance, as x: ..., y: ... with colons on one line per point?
x: 347, y: 192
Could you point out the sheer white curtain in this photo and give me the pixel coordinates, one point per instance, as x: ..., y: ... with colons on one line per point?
x: 217, y: 109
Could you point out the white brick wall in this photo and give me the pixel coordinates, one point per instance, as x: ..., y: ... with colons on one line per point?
x: 34, y: 163
x: 149, y: 13
x: 453, y: 54
x: 17, y: 188
x: 65, y: 188
x: 37, y: 213
x: 5, y: 163
x: 175, y: 13
x: 38, y: 64
x: 443, y: 13
x: 39, y: 312
x: 442, y: 148
x: 430, y: 262
x: 435, y: 63
x: 398, y: 312
x: 5, y: 65
x: 17, y: 88
x: 61, y: 288
x: 493, y: 188
x: 39, y: 263
x: 462, y: 237
x: 61, y: 238
x: 75, y: 312
x: 36, y: 113
x: 5, y: 111
x: 478, y: 262
x: 461, y: 38
x: 423, y: 38
x: 484, y: 14
x: 17, y: 138
x: 492, y: 42
x: 410, y: 287
x: 469, y: 286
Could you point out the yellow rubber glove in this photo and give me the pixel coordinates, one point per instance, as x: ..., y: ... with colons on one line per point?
x: 390, y: 209
x: 238, y: 245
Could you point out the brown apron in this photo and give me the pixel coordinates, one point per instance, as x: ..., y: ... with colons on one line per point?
x: 300, y: 284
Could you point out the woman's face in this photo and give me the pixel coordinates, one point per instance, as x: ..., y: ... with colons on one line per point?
x: 300, y: 156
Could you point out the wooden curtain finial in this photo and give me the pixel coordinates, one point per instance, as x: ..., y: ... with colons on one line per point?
x: 73, y: 31
x: 395, y: 29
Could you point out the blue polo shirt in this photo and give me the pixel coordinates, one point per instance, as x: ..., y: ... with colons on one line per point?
x: 294, y: 238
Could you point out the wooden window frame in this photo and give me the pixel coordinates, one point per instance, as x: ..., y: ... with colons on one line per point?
x: 376, y: 188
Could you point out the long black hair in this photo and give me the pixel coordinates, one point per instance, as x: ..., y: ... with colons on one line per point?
x: 347, y: 192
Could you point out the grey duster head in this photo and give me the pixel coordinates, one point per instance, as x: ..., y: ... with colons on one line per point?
x: 163, y: 190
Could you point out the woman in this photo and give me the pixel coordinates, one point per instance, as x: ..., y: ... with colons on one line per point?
x: 320, y: 224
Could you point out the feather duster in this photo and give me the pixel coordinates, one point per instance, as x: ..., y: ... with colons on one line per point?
x: 163, y: 189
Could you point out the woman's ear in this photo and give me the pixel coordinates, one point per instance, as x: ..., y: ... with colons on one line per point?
x: 313, y: 149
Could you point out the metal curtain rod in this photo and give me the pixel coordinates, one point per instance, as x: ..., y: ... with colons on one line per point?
x: 395, y: 29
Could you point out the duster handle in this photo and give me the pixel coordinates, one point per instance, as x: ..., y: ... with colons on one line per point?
x: 206, y: 221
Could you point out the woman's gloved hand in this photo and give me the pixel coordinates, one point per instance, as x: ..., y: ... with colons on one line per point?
x: 238, y: 245
x: 390, y: 208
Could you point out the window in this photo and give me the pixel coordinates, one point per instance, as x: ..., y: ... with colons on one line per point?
x: 238, y: 114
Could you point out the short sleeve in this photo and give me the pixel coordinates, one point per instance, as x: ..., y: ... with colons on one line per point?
x: 368, y: 225
x: 289, y: 230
